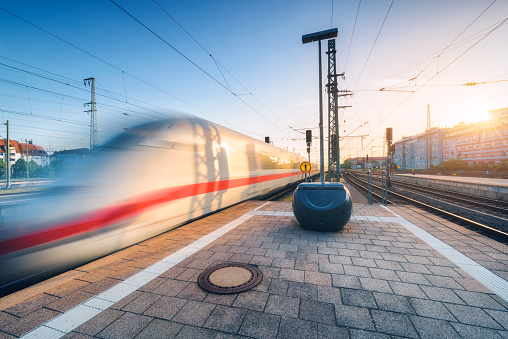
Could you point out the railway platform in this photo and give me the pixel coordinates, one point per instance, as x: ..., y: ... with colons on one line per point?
x: 484, y: 187
x: 393, y: 271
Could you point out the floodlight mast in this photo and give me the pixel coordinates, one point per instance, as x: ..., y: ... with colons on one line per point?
x: 318, y: 36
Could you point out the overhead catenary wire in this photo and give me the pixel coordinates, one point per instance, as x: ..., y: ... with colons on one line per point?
x: 193, y: 63
x: 139, y: 79
x: 451, y: 43
x: 352, y: 35
x: 69, y: 97
x: 449, y: 85
x: 75, y: 122
x: 73, y: 97
x: 443, y: 117
x: 374, y: 44
x: 446, y: 67
x: 79, y: 87
x: 423, y: 60
x: 171, y: 46
x: 115, y: 67
x: 220, y: 67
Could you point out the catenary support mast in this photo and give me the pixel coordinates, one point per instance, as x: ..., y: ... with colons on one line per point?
x: 333, y: 118
x: 94, y: 131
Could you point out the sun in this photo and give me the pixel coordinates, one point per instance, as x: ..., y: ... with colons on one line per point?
x: 473, y: 114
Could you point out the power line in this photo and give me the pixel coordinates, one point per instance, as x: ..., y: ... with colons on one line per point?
x: 420, y: 86
x: 48, y: 129
x: 433, y: 55
x: 47, y: 101
x: 82, y: 89
x: 65, y: 95
x: 451, y: 43
x: 374, y: 44
x: 448, y: 85
x: 45, y: 117
x: 331, y: 17
x: 219, y: 66
x: 70, y: 97
x: 351, y: 41
x: 467, y: 50
x: 172, y: 47
x: 431, y: 78
x: 113, y: 66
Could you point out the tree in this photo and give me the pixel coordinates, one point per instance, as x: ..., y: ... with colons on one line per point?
x: 33, y: 169
x: 348, y: 163
x: 19, y: 168
x: 58, y: 167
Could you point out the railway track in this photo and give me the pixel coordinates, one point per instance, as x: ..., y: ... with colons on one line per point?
x: 493, y: 224
x: 478, y: 201
x: 492, y: 207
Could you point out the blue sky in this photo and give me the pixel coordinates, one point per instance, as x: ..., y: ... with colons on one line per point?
x: 259, y: 44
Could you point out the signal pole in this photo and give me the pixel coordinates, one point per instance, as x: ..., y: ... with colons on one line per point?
x: 94, y: 131
x: 308, y: 140
x: 318, y: 36
x: 8, y: 158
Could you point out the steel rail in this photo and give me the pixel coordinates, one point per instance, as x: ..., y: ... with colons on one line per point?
x: 346, y: 176
x: 456, y: 195
x: 453, y: 216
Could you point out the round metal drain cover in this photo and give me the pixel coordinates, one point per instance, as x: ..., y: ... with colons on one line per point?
x: 229, y: 278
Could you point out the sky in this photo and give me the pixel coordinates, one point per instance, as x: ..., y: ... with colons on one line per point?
x: 242, y: 64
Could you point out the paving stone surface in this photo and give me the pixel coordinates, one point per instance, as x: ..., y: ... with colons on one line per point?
x: 373, y: 279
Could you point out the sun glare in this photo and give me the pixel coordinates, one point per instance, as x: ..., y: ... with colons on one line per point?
x: 473, y: 115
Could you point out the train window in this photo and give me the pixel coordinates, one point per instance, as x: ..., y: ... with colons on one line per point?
x: 124, y: 140
x: 271, y: 162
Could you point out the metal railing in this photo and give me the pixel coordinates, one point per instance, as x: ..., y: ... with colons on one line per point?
x: 370, y: 187
x: 384, y: 191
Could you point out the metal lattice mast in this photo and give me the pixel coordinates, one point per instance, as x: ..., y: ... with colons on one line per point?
x: 94, y: 130
x: 333, y: 118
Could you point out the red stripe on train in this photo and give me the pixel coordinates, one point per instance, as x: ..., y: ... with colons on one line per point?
x: 114, y: 214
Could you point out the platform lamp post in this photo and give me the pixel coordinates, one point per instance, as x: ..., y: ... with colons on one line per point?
x: 318, y: 36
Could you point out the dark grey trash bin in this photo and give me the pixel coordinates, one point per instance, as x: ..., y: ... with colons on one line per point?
x: 322, y: 206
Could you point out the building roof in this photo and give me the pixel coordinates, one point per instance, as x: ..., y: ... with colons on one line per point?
x: 77, y: 151
x: 21, y: 147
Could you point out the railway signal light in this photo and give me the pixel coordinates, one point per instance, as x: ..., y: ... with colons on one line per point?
x: 389, y: 135
x: 308, y: 136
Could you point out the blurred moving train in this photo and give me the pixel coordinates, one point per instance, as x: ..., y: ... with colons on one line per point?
x: 144, y: 182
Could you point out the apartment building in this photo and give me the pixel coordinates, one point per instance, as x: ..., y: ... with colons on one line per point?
x: 481, y: 142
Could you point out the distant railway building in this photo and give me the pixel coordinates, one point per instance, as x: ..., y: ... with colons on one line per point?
x: 72, y: 156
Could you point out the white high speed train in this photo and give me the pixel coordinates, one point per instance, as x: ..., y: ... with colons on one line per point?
x: 144, y: 182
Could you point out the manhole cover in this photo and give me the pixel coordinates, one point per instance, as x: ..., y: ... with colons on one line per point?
x: 229, y: 278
